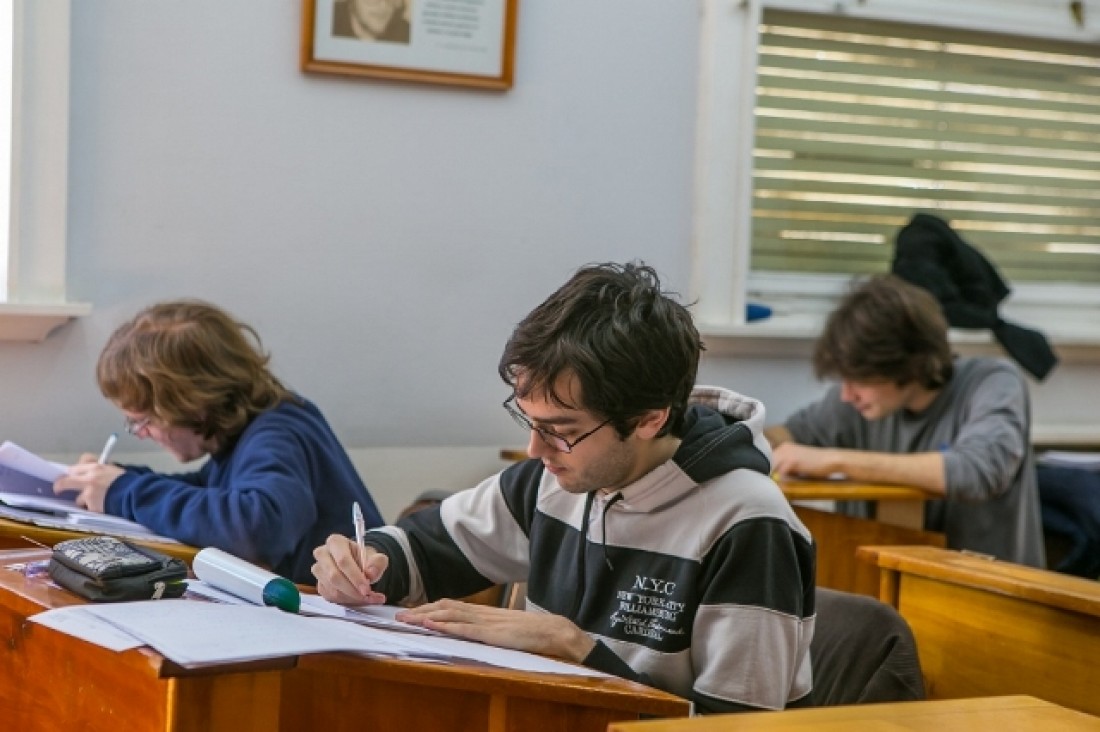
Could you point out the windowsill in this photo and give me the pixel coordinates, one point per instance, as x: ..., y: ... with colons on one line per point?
x: 792, y: 335
x: 33, y: 323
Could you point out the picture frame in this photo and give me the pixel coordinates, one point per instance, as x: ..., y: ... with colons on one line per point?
x: 457, y: 42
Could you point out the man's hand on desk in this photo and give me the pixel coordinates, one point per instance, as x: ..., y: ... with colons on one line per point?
x: 920, y: 469
x: 90, y: 479
x: 550, y: 635
x: 790, y: 459
x: 340, y: 579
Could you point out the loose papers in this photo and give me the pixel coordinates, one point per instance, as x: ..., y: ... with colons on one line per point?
x: 194, y: 634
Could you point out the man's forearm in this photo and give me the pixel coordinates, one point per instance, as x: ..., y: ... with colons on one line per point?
x: 924, y: 469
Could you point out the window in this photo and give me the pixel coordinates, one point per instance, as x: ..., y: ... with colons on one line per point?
x: 845, y: 126
x: 6, y: 52
x: 33, y: 240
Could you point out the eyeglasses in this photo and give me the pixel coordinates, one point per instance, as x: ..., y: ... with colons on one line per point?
x: 551, y: 438
x: 134, y: 426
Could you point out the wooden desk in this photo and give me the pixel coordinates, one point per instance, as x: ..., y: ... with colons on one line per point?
x: 52, y: 681
x: 896, y: 505
x: 17, y: 535
x: 1004, y: 713
x: 985, y: 627
x: 899, y: 512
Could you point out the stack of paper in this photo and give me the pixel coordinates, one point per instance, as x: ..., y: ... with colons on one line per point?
x: 237, y: 626
x: 25, y: 473
x: 26, y: 495
x: 1084, y: 460
x: 195, y: 634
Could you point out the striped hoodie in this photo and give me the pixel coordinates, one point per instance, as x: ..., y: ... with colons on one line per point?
x: 697, y: 579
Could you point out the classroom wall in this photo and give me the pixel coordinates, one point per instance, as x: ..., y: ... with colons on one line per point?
x: 383, y: 238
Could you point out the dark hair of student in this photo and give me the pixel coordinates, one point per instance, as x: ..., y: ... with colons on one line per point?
x: 630, y: 345
x: 886, y: 328
x: 189, y: 364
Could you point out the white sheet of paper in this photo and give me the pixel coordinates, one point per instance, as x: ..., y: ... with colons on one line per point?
x: 27, y: 462
x: 196, y: 634
x: 376, y: 616
x: 506, y: 657
x: 1085, y: 460
x: 75, y: 621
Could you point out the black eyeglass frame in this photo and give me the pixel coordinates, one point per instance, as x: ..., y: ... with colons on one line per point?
x: 552, y: 439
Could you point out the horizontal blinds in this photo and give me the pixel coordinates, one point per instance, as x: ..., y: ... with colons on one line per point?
x: 861, y: 124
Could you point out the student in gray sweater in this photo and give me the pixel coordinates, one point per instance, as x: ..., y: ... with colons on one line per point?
x: 906, y: 411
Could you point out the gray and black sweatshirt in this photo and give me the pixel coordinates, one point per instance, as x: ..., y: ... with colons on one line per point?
x: 697, y: 579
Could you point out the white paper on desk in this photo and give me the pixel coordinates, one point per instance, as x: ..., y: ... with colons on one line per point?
x: 15, y: 457
x: 375, y: 616
x: 24, y: 472
x: 75, y: 621
x: 1084, y: 460
x: 44, y: 512
x: 195, y: 634
x: 505, y: 657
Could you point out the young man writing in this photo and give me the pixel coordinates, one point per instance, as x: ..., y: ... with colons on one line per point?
x: 905, y: 411
x: 652, y: 541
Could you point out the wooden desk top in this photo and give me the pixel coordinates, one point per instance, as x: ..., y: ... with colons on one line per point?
x: 26, y: 596
x: 956, y: 715
x: 1006, y: 578
x: 13, y: 533
x: 797, y: 489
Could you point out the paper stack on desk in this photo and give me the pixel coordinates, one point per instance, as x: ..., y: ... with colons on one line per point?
x: 26, y: 495
x: 193, y: 633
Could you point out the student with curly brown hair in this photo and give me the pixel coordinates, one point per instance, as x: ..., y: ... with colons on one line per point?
x: 195, y: 380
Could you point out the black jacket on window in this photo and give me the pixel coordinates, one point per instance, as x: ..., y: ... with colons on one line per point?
x: 930, y: 254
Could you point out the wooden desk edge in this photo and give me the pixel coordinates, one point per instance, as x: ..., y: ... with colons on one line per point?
x: 895, y: 714
x: 13, y: 531
x: 1014, y: 580
x: 608, y: 693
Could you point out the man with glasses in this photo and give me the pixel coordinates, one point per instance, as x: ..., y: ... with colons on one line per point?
x: 193, y: 379
x: 653, y: 542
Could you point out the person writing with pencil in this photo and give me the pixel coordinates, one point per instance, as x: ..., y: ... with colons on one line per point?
x: 193, y: 379
x: 653, y: 542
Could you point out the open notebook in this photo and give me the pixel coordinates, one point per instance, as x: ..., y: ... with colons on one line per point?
x: 26, y: 495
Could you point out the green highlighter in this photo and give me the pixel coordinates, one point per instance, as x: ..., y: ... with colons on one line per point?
x: 245, y: 580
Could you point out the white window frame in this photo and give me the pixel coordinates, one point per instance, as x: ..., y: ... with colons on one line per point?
x: 36, y: 301
x: 722, y: 281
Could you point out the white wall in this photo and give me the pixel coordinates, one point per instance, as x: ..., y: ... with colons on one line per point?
x: 383, y: 238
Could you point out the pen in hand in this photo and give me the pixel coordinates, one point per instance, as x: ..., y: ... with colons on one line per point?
x: 360, y: 533
x: 103, y: 456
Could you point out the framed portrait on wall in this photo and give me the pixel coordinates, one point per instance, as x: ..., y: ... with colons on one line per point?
x: 463, y: 42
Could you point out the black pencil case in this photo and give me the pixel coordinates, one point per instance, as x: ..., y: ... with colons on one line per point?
x: 106, y: 569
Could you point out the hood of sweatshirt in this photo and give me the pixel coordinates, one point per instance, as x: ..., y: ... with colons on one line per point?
x: 723, y: 431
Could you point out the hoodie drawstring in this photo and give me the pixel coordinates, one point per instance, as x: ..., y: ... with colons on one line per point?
x: 603, y: 528
x: 582, y: 555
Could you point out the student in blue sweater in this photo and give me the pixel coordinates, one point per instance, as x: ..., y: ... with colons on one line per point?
x: 193, y: 379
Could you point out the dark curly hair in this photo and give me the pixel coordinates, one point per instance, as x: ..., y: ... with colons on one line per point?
x: 631, y: 346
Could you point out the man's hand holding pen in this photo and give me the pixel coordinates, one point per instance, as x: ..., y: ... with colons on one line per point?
x: 341, y: 578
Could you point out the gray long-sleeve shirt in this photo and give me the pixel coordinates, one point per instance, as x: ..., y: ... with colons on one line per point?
x: 981, y: 423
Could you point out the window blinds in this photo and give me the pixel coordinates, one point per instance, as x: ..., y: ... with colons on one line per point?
x: 860, y: 124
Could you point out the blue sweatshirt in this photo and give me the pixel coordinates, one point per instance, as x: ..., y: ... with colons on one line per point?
x: 270, y: 497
